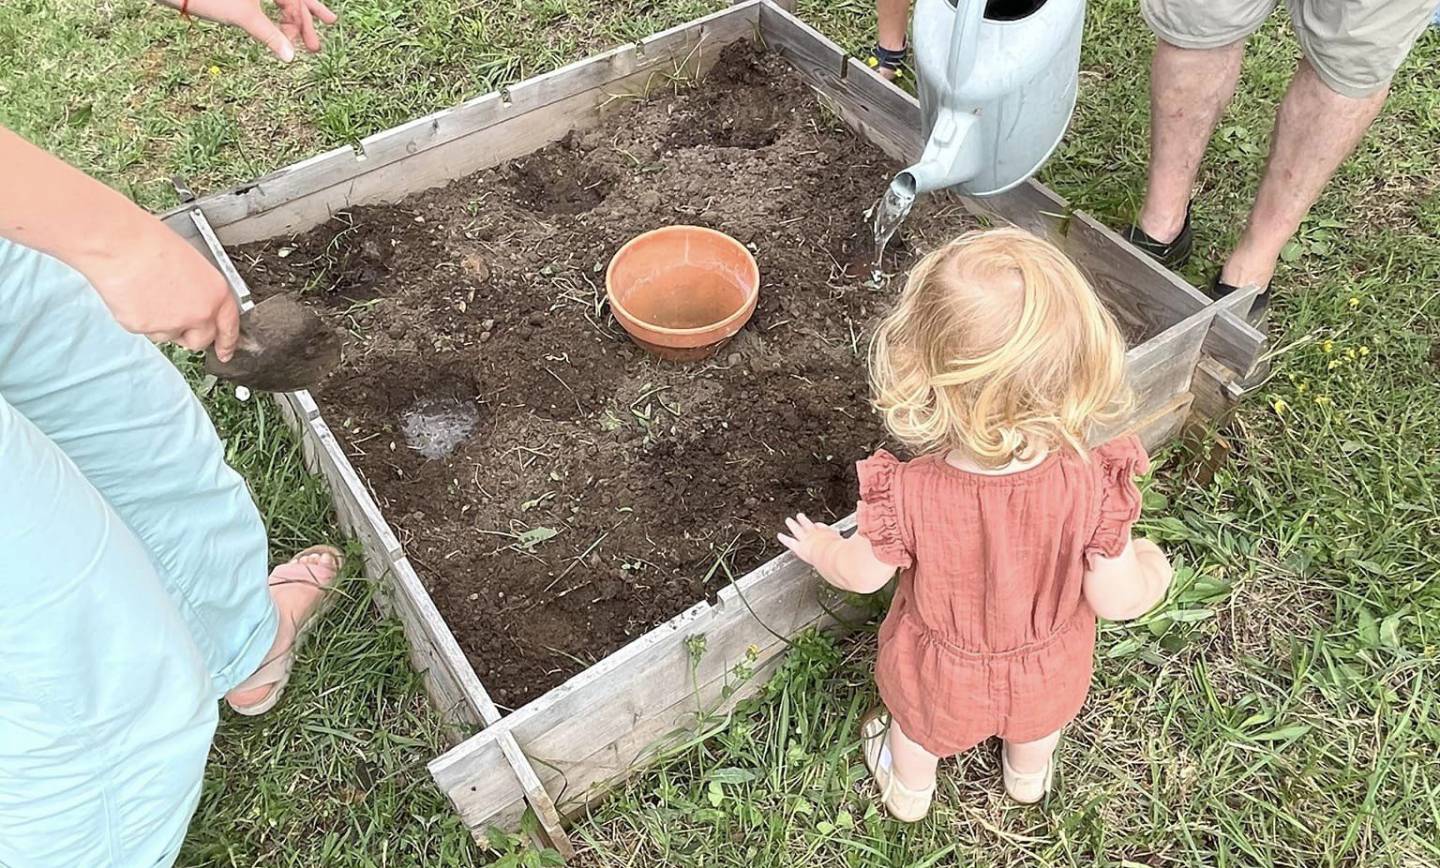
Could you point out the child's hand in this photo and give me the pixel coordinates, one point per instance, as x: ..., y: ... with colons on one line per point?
x: 848, y: 563
x: 807, y: 538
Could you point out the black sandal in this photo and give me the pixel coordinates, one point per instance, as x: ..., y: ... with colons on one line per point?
x: 1171, y: 254
x: 892, y: 60
x: 1259, y: 308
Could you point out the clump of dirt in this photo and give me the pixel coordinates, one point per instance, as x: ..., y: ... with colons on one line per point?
x: 560, y: 491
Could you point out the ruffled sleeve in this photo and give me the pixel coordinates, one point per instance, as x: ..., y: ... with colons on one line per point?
x: 878, y: 512
x: 1118, y: 462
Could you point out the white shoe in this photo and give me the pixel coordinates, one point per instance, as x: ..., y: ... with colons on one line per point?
x: 1030, y: 787
x: 904, y: 804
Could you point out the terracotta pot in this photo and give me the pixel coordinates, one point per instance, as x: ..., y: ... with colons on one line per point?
x: 682, y: 291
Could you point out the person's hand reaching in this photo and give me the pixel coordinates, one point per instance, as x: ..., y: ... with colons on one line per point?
x: 848, y: 563
x: 807, y: 539
x: 296, y: 26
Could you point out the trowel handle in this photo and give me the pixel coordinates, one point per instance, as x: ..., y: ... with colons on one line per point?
x: 964, y: 39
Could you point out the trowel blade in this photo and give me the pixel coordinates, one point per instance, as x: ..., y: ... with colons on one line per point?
x: 284, y: 347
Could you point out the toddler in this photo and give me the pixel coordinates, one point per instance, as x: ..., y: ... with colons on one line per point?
x: 1011, y: 534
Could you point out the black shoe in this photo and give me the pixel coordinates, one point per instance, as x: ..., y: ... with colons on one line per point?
x: 1258, y: 310
x: 895, y: 61
x: 1171, y: 254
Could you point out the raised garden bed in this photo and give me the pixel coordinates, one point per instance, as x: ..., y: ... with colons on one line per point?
x: 559, y: 493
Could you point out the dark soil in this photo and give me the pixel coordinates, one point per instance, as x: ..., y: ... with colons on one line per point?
x: 560, y: 491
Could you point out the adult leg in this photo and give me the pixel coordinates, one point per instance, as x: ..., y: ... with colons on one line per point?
x: 1189, y: 90
x: 1351, y: 51
x: 1315, y: 130
x: 126, y: 418
x: 892, y: 20
x: 1198, y: 50
x: 107, y: 707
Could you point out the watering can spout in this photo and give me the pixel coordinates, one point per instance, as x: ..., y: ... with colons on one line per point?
x: 951, y: 156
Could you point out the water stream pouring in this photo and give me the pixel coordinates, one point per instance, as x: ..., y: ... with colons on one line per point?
x: 997, y: 88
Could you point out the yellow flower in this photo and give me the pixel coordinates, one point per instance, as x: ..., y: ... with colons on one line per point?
x: 1327, y: 346
x: 1323, y: 400
x: 214, y: 70
x: 1334, y: 363
x: 1302, y: 387
x: 1354, y: 302
x: 1351, y: 353
x: 1280, y: 406
x: 1364, y: 351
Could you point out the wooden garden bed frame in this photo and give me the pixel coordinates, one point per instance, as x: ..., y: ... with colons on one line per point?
x: 558, y: 753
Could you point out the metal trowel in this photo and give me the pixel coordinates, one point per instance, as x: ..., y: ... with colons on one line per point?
x: 283, y: 347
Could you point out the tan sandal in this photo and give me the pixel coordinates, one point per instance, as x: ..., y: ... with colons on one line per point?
x: 1027, y: 788
x: 904, y: 804
x: 275, y: 672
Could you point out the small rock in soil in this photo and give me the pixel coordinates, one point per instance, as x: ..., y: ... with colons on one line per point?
x: 477, y: 266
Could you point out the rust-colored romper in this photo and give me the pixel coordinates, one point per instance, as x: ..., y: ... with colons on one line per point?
x: 989, y: 633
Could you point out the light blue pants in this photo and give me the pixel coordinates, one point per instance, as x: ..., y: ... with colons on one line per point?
x: 133, y: 590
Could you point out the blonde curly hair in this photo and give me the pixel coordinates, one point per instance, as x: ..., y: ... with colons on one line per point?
x: 998, y: 347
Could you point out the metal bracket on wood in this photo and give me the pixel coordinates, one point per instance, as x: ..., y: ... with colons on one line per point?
x: 182, y: 189
x: 221, y: 259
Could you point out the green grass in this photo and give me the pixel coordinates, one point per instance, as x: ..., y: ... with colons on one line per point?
x: 1279, y: 709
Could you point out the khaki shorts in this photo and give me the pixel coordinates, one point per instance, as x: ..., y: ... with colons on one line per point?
x: 1355, y: 46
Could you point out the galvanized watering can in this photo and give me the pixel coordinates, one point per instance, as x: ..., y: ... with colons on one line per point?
x: 997, y: 89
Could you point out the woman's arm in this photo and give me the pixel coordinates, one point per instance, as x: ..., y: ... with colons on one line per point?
x: 154, y: 283
x: 1128, y: 586
x: 848, y: 563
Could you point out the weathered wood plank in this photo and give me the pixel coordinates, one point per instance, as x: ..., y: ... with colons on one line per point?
x: 1160, y: 369
x: 590, y: 731
x: 545, y: 811
x: 651, y: 739
x: 816, y: 57
x: 1217, y: 391
x: 1164, y: 367
x: 482, y: 132
x: 1165, y: 424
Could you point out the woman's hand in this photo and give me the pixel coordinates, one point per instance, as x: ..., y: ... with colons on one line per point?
x: 153, y: 282
x: 157, y: 285
x: 808, y: 539
x: 297, y: 21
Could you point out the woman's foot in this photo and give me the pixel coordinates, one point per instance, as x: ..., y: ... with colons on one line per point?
x: 301, y: 589
x: 906, y: 804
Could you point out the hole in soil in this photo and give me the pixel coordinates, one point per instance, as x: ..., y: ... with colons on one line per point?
x: 742, y: 119
x: 547, y: 183
x: 741, y: 114
x: 435, y: 426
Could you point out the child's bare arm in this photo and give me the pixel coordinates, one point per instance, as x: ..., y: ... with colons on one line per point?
x: 1128, y: 586
x: 848, y: 563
